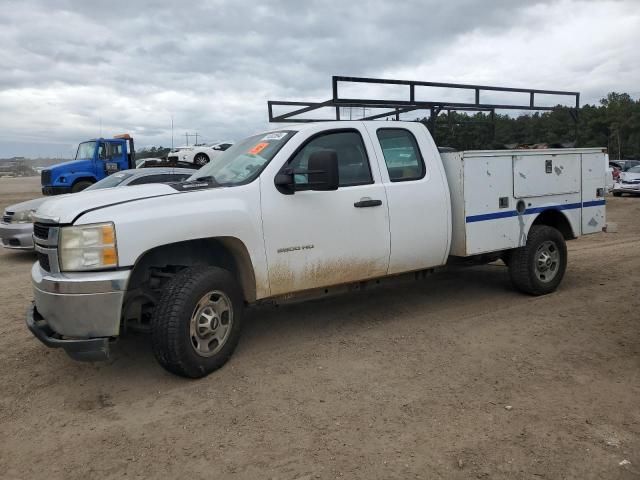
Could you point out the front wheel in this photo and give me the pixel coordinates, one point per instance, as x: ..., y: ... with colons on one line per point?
x: 197, y: 322
x: 538, y: 267
x: 617, y: 194
x: 81, y: 185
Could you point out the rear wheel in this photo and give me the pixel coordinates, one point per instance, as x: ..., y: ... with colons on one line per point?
x: 197, y: 322
x: 539, y: 266
x: 81, y: 185
x: 200, y: 159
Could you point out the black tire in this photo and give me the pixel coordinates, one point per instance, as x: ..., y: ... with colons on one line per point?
x: 81, y: 185
x: 531, y: 267
x: 617, y: 194
x: 201, y: 159
x: 172, y: 336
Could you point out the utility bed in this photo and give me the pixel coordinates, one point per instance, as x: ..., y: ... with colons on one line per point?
x: 495, y: 194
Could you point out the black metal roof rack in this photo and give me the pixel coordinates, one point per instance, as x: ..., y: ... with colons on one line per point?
x: 393, y: 108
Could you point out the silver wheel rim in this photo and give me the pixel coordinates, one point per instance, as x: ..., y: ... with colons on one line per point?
x: 200, y: 160
x: 547, y: 261
x: 211, y: 323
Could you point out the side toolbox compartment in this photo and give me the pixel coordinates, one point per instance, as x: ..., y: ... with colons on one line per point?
x: 593, y: 189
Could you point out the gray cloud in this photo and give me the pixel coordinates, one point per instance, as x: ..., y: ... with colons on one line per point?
x: 69, y: 66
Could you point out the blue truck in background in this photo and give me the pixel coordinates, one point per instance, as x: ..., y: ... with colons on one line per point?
x: 95, y: 159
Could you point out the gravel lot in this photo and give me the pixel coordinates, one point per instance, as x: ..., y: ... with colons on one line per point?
x: 457, y: 376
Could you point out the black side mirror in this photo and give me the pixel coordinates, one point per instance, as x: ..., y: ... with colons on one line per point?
x: 323, y: 170
x: 322, y: 174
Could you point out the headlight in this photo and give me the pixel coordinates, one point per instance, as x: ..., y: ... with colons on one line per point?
x: 88, y: 247
x: 25, y: 216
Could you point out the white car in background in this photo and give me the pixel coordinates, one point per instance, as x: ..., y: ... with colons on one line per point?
x: 198, y: 154
x: 628, y: 182
x: 16, y: 226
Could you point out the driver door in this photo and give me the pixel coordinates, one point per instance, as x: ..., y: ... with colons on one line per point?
x: 316, y: 239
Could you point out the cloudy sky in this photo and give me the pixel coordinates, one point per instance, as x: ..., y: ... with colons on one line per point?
x: 71, y: 69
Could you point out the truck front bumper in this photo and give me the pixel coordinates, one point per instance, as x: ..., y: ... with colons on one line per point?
x: 79, y: 312
x: 17, y: 235
x: 55, y: 190
x: 92, y: 349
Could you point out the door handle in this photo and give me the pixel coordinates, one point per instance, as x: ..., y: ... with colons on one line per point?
x: 367, y: 202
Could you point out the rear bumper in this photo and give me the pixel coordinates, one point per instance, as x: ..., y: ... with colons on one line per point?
x: 92, y: 349
x: 18, y: 236
x: 55, y: 190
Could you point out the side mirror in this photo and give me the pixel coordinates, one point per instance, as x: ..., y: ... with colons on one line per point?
x: 323, y: 170
x: 322, y: 174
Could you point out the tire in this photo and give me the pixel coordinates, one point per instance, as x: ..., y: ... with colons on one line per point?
x: 617, y: 194
x: 201, y: 159
x: 81, y: 185
x: 538, y: 267
x: 187, y: 330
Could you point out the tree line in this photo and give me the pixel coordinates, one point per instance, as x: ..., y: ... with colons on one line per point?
x: 614, y: 124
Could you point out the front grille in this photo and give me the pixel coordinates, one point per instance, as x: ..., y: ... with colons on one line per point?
x: 7, y: 217
x: 43, y: 259
x: 172, y: 158
x: 45, y: 177
x: 41, y: 230
x: 631, y: 182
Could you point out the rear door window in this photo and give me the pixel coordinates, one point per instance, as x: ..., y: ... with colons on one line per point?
x: 401, y: 154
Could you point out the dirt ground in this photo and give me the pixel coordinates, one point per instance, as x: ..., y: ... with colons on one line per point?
x: 457, y: 376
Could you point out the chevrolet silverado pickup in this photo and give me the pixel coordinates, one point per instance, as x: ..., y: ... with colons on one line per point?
x: 298, y: 212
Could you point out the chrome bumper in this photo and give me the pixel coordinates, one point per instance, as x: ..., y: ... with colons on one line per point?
x: 17, y: 235
x: 80, y: 305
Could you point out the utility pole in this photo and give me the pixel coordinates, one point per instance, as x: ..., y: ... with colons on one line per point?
x: 187, y: 135
x: 171, y: 132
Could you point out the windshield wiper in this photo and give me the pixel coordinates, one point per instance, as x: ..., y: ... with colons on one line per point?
x: 208, y: 178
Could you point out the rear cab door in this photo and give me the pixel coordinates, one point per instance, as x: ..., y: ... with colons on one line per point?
x: 417, y: 195
x: 316, y: 239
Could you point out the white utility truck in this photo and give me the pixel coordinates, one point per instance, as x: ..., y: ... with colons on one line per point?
x: 306, y: 210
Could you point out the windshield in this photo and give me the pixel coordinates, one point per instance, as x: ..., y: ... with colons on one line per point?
x: 244, y: 161
x: 111, y: 181
x: 635, y: 169
x: 85, y: 150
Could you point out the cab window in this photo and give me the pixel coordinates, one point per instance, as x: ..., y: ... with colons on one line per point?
x: 401, y: 154
x: 353, y: 163
x: 114, y: 150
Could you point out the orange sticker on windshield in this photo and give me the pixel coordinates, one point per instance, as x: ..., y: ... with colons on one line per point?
x: 258, y: 148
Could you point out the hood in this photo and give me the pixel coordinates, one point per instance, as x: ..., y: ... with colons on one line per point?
x: 71, y: 163
x: 28, y: 205
x: 66, y: 208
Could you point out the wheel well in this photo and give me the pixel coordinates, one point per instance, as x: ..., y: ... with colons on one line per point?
x: 556, y: 219
x: 225, y: 252
x: 83, y: 179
